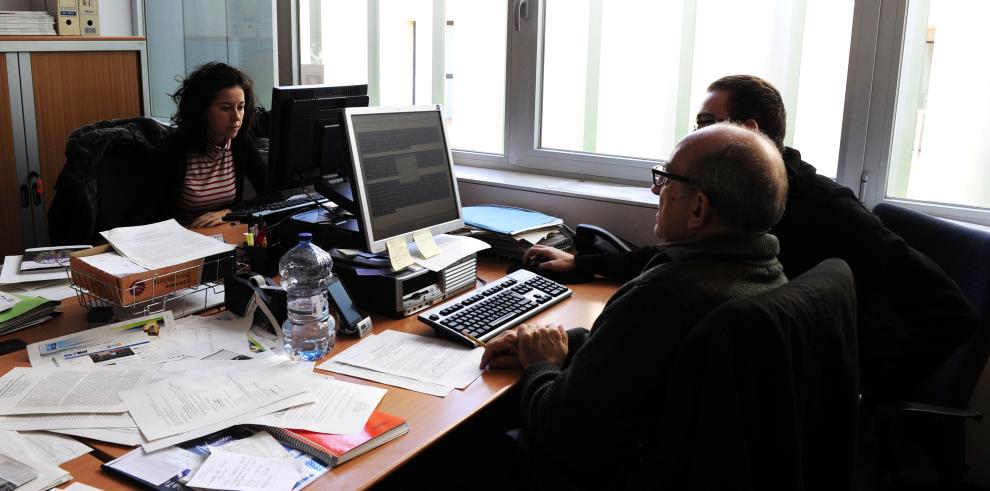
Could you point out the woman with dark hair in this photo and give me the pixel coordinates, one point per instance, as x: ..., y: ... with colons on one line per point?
x: 211, y: 151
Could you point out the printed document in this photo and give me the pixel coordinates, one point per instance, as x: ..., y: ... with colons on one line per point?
x: 121, y: 436
x: 25, y: 422
x: 163, y: 244
x: 341, y: 408
x: 14, y: 447
x: 197, y: 400
x: 68, y: 390
x: 143, y: 340
x: 228, y: 470
x: 56, y: 449
x: 419, y: 357
x: 452, y: 248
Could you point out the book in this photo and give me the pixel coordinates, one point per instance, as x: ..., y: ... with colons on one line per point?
x: 47, y: 259
x: 27, y: 312
x: 334, y: 450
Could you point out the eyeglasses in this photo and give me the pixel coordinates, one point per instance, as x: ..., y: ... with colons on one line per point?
x: 661, y: 177
x: 704, y: 123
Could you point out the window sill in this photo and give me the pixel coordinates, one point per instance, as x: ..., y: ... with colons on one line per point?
x: 560, y: 186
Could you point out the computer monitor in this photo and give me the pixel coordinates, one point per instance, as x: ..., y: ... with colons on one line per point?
x: 307, y: 142
x: 403, y: 173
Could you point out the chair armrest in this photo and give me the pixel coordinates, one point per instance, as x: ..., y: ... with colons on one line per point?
x: 918, y: 407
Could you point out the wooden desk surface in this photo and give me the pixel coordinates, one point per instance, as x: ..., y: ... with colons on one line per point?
x: 429, y: 417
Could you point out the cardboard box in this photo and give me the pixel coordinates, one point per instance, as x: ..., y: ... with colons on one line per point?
x: 89, y: 17
x: 132, y: 288
x: 67, y: 14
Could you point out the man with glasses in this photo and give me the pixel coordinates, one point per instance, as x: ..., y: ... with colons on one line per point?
x: 723, y: 188
x: 911, y: 315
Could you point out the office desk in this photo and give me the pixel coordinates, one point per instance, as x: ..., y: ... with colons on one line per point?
x: 429, y: 417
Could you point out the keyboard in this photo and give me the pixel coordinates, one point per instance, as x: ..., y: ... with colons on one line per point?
x: 276, y: 208
x: 497, y: 306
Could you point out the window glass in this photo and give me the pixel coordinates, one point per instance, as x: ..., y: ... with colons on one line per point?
x: 940, y: 142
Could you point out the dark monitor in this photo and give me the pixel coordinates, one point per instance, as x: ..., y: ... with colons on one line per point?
x: 403, y: 173
x: 307, y: 142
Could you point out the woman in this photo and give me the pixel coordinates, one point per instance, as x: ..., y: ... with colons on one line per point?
x: 211, y: 151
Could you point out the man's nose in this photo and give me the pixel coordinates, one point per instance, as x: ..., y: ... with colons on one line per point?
x: 656, y: 189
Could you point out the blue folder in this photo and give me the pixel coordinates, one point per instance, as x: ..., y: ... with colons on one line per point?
x: 506, y: 219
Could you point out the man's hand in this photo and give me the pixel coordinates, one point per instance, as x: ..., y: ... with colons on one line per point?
x: 539, y: 344
x: 502, y: 352
x: 557, y: 260
x: 209, y: 219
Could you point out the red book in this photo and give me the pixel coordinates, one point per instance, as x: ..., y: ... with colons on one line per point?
x: 337, y: 449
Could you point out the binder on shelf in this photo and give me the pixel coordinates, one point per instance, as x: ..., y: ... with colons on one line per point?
x: 89, y: 17
x: 67, y: 13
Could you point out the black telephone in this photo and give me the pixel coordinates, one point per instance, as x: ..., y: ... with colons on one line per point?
x: 592, y: 239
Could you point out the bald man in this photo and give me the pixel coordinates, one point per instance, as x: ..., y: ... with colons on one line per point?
x: 586, y: 393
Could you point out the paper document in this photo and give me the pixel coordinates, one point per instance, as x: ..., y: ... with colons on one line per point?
x: 11, y: 273
x: 425, y: 244
x: 56, y: 449
x: 341, y: 408
x: 453, y: 248
x: 398, y: 253
x: 419, y: 357
x: 7, y: 301
x: 52, y: 290
x: 14, y: 447
x: 227, y: 470
x: 68, y: 390
x: 78, y: 486
x: 333, y: 365
x: 113, y: 263
x: 198, y: 337
x: 143, y: 340
x: 163, y: 244
x: 185, y: 404
x: 26, y: 422
x: 13, y: 473
x: 121, y: 436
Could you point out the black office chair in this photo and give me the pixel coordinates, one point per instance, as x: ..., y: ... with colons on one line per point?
x: 109, y: 180
x: 929, y: 431
x: 764, y: 392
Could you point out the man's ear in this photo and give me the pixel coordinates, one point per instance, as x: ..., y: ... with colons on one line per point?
x: 751, y: 124
x: 701, y: 212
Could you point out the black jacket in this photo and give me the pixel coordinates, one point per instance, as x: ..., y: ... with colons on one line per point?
x: 911, y: 314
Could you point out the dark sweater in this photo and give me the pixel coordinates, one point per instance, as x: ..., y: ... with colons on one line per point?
x: 911, y: 314
x: 247, y: 162
x: 596, y: 407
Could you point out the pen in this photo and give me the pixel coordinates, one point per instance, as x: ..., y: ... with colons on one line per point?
x: 477, y: 342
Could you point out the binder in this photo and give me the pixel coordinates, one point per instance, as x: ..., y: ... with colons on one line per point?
x: 68, y: 17
x: 89, y: 17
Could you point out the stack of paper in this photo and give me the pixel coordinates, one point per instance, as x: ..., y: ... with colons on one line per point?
x: 23, y: 311
x: 510, y: 231
x: 423, y: 364
x: 26, y: 460
x: 53, y: 285
x: 26, y: 23
x: 163, y: 244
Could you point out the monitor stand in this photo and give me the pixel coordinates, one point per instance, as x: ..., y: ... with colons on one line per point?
x: 339, y: 191
x: 329, y: 229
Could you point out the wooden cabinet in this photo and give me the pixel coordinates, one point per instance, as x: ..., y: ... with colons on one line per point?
x: 50, y: 86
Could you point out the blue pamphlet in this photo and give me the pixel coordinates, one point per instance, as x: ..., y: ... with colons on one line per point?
x: 506, y: 219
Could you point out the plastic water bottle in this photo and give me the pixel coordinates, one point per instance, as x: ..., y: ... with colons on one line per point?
x: 309, y: 330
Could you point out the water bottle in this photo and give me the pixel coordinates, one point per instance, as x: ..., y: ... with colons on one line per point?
x: 309, y: 331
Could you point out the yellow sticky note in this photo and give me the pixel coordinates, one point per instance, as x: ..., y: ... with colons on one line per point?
x: 424, y: 241
x: 398, y: 253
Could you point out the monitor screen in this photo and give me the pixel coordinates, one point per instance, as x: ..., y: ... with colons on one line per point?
x: 307, y: 137
x: 403, y: 172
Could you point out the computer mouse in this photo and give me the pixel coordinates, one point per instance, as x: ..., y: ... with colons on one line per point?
x: 564, y: 278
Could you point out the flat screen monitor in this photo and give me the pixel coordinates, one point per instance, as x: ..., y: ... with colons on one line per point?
x: 403, y: 173
x: 307, y: 142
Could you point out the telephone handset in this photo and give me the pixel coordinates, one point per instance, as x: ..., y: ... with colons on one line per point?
x: 592, y: 239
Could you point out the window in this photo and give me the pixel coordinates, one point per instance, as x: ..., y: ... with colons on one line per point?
x: 415, y: 52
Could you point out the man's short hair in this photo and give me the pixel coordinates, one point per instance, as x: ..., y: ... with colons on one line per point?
x: 753, y: 98
x: 747, y: 192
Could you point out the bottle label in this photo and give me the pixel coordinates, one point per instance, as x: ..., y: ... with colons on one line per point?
x: 317, y: 302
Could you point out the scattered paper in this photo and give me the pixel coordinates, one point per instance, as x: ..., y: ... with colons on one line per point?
x: 419, y: 357
x: 158, y: 467
x: 227, y: 470
x: 163, y: 244
x: 26, y: 422
x: 341, y: 408
x: 13, y: 473
x: 398, y: 253
x: 113, y: 263
x: 11, y: 273
x: 7, y: 301
x: 121, y: 436
x: 386, y: 378
x: 535, y: 236
x: 143, y: 340
x: 425, y: 244
x: 68, y: 390
x: 56, y: 449
x: 453, y: 248
x: 14, y: 447
x: 52, y: 290
x: 78, y: 486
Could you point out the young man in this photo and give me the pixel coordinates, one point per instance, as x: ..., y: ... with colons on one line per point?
x: 911, y: 315
x: 584, y: 392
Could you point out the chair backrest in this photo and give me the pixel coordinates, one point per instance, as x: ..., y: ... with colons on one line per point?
x: 763, y: 393
x: 963, y: 252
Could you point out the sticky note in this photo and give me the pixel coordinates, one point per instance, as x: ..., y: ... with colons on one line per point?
x: 398, y: 253
x: 424, y: 241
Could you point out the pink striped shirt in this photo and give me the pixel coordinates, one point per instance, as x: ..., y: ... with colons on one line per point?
x: 210, y: 183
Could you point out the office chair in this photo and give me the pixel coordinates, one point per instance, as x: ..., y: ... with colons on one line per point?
x: 109, y: 180
x: 934, y: 421
x: 764, y: 392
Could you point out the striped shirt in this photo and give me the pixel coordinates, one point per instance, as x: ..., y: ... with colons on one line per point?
x: 209, y: 184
